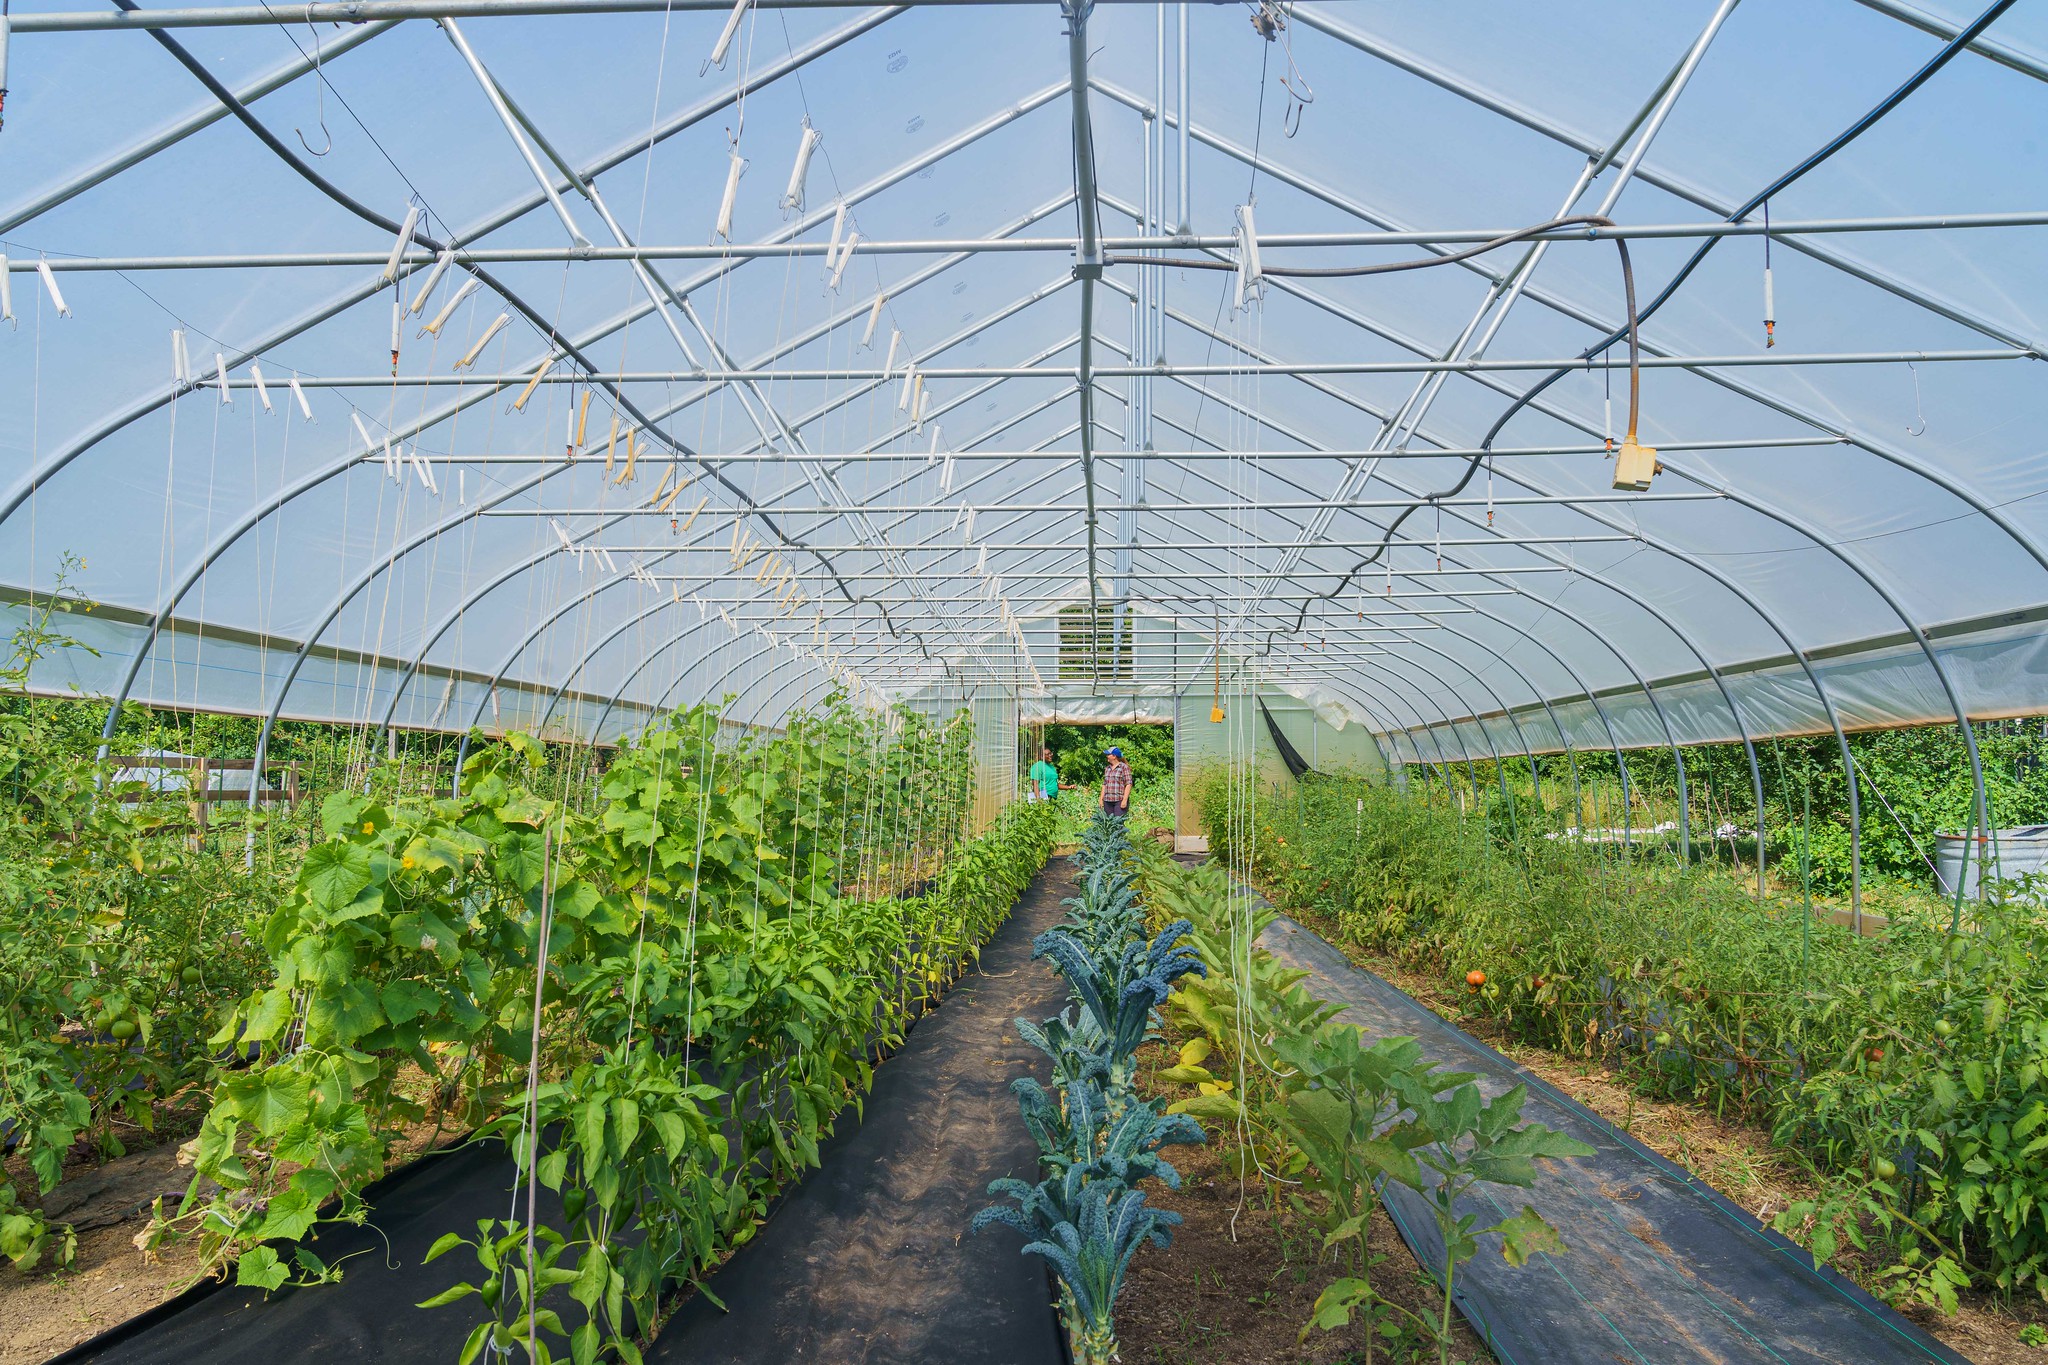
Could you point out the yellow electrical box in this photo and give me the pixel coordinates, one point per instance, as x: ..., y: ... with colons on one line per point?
x: 1215, y: 715
x: 1634, y: 466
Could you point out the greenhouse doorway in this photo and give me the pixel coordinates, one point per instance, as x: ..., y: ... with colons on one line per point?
x: 1079, y: 748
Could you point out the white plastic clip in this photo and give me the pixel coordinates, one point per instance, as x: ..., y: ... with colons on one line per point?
x: 181, y: 359
x: 369, y: 442
x: 6, y: 292
x: 220, y: 379
x: 262, y: 392
x: 895, y: 340
x: 305, y: 408
x: 867, y: 338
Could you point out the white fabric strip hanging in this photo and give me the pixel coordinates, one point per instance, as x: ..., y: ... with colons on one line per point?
x: 412, y: 220
x: 50, y: 283
x: 469, y: 286
x: 441, y: 264
x: 867, y: 338
x: 483, y: 341
x: 735, y: 168
x: 807, y: 142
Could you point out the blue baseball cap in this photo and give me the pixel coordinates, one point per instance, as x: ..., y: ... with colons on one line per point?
x: 1117, y: 753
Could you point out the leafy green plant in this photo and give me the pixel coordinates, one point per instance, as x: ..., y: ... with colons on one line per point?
x: 658, y: 1000
x: 105, y: 1001
x: 1906, y: 1067
x: 1088, y: 1230
x: 1463, y: 1140
x: 1336, y: 1117
x: 1097, y: 1140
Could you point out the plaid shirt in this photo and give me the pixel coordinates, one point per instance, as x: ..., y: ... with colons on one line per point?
x: 1116, y: 782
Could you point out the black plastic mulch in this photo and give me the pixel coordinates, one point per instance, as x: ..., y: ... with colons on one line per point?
x: 866, y: 1260
x: 1658, y: 1268
x: 869, y: 1259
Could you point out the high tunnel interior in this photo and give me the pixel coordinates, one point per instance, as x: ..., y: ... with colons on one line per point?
x: 1466, y: 383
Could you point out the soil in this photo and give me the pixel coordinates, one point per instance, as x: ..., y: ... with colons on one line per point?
x: 1736, y: 1158
x: 48, y: 1311
x: 1241, y: 1277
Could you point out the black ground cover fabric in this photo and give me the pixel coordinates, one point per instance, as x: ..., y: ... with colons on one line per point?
x: 869, y: 1260
x: 369, y: 1315
x: 1658, y: 1267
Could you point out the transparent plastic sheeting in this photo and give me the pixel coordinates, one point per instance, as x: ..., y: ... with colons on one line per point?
x: 1999, y: 672
x: 1204, y: 747
x: 1880, y: 470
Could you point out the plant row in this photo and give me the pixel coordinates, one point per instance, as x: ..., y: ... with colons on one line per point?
x: 657, y: 999
x: 120, y: 945
x: 1907, y: 1068
x: 1325, y: 1118
x: 1098, y: 1139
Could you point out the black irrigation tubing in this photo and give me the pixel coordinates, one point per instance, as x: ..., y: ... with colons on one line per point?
x: 547, y: 329
x: 1848, y: 135
x: 1628, y: 281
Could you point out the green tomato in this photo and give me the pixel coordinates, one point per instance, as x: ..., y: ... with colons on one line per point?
x: 1943, y: 1028
x: 1885, y: 1168
x: 191, y: 976
x: 102, y: 1021
x: 124, y: 1029
x: 1663, y: 1040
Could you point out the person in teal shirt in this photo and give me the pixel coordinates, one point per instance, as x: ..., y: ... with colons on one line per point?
x: 1045, y: 778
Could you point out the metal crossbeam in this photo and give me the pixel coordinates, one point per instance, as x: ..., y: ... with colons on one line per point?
x: 934, y: 246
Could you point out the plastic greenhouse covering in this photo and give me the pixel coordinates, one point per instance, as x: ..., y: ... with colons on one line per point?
x: 552, y: 363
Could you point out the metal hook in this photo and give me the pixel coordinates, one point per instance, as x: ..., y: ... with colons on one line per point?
x: 1918, y: 412
x: 319, y: 90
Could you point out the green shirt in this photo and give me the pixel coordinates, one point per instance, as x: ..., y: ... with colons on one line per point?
x: 1047, y: 777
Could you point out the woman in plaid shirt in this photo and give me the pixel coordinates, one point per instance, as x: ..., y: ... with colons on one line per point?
x: 1116, y: 784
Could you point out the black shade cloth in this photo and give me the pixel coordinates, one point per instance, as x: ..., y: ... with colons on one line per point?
x: 1289, y: 755
x: 1658, y: 1267
x: 869, y: 1260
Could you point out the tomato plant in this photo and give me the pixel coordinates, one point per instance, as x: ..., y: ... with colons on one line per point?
x: 657, y: 998
x: 1908, y: 1066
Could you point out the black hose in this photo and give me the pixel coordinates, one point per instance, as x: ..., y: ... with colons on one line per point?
x: 1848, y: 135
x: 568, y: 348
